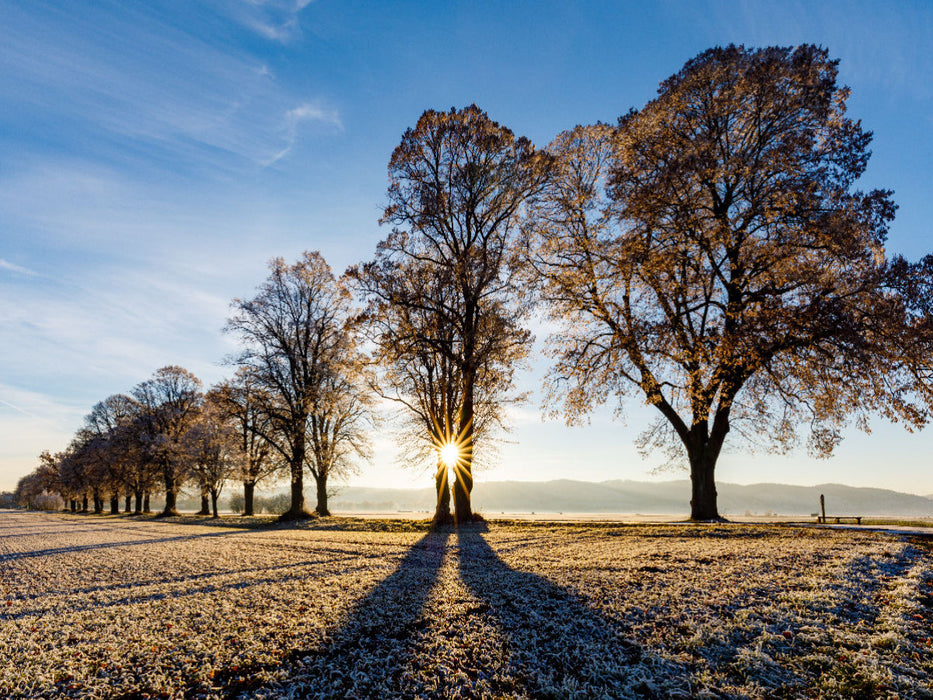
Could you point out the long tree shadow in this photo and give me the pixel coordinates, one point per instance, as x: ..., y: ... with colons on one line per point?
x: 363, y: 658
x: 554, y: 643
x: 283, y: 573
x: 12, y: 556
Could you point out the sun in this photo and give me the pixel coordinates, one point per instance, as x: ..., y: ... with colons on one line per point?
x: 450, y: 454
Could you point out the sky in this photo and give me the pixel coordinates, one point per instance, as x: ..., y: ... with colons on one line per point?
x: 154, y: 156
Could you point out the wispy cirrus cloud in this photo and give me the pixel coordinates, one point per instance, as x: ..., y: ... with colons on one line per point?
x: 135, y: 84
x: 19, y: 269
x: 275, y: 20
x: 295, y: 117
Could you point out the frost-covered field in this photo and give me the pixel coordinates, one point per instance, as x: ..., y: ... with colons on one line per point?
x: 121, y: 607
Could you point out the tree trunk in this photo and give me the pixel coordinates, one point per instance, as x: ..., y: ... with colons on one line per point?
x: 171, y: 499
x: 128, y: 503
x: 442, y: 514
x: 205, y: 506
x: 248, y: 488
x: 74, y: 505
x: 463, y: 472
x: 321, y: 507
x: 115, y: 503
x: 84, y: 507
x: 146, y: 503
x: 214, y: 496
x: 139, y: 503
x: 703, y: 483
x: 98, y: 504
x: 296, y: 510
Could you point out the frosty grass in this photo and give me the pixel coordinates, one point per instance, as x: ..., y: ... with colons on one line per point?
x: 105, y: 607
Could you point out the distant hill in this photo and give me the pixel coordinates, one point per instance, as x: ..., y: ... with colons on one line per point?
x: 647, y: 497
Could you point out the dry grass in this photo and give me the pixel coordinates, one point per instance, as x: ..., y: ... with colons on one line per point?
x: 124, y: 607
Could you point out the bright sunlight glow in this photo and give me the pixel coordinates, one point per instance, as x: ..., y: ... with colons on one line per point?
x: 449, y: 454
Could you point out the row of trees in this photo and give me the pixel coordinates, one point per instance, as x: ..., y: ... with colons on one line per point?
x: 709, y: 255
x: 296, y: 403
x: 164, y: 433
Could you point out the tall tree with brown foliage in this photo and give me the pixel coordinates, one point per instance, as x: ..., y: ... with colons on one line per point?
x: 214, y: 448
x: 415, y: 348
x: 458, y: 181
x: 106, y: 427
x: 712, y: 256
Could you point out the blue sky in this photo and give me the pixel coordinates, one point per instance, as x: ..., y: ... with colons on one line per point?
x: 154, y: 156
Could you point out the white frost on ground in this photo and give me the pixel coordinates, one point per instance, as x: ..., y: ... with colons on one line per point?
x: 126, y: 607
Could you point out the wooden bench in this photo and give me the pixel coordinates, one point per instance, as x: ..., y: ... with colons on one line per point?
x: 839, y: 518
x: 822, y: 518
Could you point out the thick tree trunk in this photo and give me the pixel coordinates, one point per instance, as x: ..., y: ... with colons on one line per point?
x: 98, y: 504
x: 139, y: 503
x: 146, y: 508
x: 171, y: 490
x: 214, y: 496
x: 171, y: 500
x: 205, y: 506
x: 74, y: 505
x: 296, y: 510
x: 321, y: 507
x: 703, y: 451
x: 463, y: 473
x: 442, y: 515
x: 115, y: 503
x: 248, y: 489
x: 703, y: 483
x: 128, y: 503
x: 84, y: 507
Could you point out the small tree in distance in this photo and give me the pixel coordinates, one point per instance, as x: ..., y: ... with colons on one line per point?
x: 242, y: 401
x: 711, y: 255
x: 169, y: 403
x: 213, y: 446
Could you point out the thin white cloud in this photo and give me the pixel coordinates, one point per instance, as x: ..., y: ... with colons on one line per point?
x: 12, y: 267
x: 168, y: 89
x: 306, y: 112
x: 275, y: 20
x: 283, y: 33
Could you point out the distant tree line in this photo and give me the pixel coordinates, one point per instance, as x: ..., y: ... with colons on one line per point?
x: 708, y: 255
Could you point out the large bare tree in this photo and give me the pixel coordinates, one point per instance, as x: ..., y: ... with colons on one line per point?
x: 712, y: 256
x: 300, y: 353
x: 458, y: 181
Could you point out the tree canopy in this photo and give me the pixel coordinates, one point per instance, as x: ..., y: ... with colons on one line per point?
x: 712, y: 255
x: 300, y: 355
x: 458, y: 181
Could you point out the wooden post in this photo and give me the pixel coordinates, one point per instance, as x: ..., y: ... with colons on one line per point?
x: 823, y: 509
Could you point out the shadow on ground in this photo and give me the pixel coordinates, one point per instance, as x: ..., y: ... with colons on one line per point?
x: 547, y: 641
x: 361, y: 658
x: 556, y: 644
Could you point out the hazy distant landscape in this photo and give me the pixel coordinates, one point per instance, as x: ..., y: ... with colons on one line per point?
x: 646, y: 497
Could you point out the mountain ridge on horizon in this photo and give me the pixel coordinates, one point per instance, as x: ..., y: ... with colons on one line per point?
x: 644, y: 497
